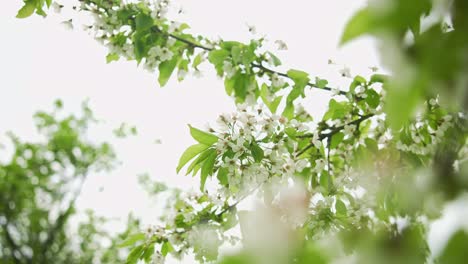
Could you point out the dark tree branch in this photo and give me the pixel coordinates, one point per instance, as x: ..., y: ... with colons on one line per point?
x: 253, y: 64
x: 332, y: 132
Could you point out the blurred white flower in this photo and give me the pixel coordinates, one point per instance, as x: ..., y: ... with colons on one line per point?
x: 345, y: 72
x: 281, y: 45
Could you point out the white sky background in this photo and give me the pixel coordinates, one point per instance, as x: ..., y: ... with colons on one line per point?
x: 42, y: 61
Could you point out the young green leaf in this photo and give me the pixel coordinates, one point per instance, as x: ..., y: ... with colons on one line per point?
x: 189, y: 154
x: 165, y: 70
x: 132, y: 240
x: 202, y: 136
x: 207, y: 169
x: 360, y: 24
x: 27, y: 10
x: 257, y: 152
x: 222, y: 176
x: 166, y: 248
x: 112, y: 57
x: 143, y: 22
x: 135, y: 254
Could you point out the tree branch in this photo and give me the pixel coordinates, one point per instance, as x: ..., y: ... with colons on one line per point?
x: 332, y: 132
x: 253, y: 64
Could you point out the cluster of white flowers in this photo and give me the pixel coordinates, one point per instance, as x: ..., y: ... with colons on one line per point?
x: 424, y: 137
x: 159, y: 8
x: 244, y: 131
x: 277, y: 81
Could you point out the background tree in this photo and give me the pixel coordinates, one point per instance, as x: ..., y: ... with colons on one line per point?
x: 40, y: 184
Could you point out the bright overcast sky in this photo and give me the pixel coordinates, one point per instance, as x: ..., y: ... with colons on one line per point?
x: 42, y: 61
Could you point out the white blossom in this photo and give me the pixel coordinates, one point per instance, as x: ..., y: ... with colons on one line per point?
x: 158, y: 258
x: 276, y: 81
x: 281, y: 45
x: 349, y: 130
x: 319, y: 165
x: 345, y: 72
x: 68, y: 24
x: 229, y: 69
x: 57, y: 7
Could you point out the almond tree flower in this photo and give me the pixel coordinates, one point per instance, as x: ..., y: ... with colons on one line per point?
x: 166, y: 54
x: 68, y: 24
x: 188, y: 216
x: 252, y: 29
x: 174, y: 26
x: 238, y: 146
x: 158, y: 258
x: 223, y: 121
x: 316, y: 140
x: 281, y: 45
x: 162, y: 53
x: 349, y: 130
x: 335, y: 91
x: 301, y: 165
x: 345, y: 72
x: 229, y: 69
x: 230, y: 163
x: 319, y: 165
x: 276, y: 81
x: 222, y: 145
x: 57, y: 7
x: 170, y: 42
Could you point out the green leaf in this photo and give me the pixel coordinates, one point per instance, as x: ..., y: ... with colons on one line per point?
x: 217, y: 58
x: 336, y: 110
x: 112, y: 57
x: 300, y: 78
x: 340, y: 207
x: 276, y: 61
x: 272, y: 105
x: 166, y: 248
x: 288, y: 111
x: 360, y: 24
x: 222, y: 176
x: 402, y: 100
x: 378, y: 78
x: 143, y: 22
x: 27, y: 10
x: 198, y: 59
x: 336, y: 139
x: 257, y: 152
x: 165, y: 70
x: 240, y: 84
x: 373, y: 98
x: 195, y: 165
x: 202, y: 136
x: 132, y: 239
x: 455, y: 250
x: 321, y: 83
x: 135, y: 254
x: 324, y: 182
x: 371, y: 144
x: 207, y: 169
x: 148, y: 253
x: 189, y: 154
